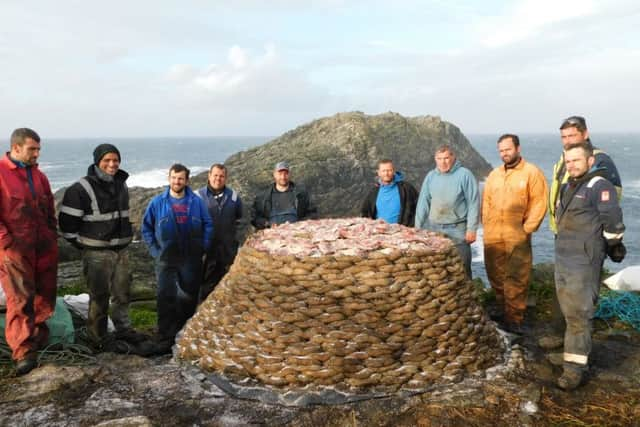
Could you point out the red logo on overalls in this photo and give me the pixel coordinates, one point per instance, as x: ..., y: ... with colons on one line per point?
x: 604, y: 196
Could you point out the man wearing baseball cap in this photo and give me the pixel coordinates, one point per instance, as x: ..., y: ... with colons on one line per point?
x: 282, y: 202
x: 94, y: 217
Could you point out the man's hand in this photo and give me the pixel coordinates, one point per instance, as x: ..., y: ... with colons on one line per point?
x: 470, y: 236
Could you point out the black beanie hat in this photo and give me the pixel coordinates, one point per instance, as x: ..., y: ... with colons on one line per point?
x: 103, y: 149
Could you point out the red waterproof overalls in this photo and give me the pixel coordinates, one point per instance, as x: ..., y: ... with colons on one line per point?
x: 28, y: 256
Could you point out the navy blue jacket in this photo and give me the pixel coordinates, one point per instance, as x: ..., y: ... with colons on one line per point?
x: 160, y: 231
x: 225, y: 211
x: 589, y: 218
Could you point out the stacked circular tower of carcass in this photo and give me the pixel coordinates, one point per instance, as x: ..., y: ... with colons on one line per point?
x: 353, y: 303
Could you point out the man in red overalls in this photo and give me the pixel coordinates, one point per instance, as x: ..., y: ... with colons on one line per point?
x: 28, y: 249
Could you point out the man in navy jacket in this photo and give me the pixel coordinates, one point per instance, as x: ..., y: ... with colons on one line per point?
x: 225, y: 209
x: 590, y: 227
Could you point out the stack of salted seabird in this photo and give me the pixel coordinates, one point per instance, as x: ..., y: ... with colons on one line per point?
x: 349, y: 303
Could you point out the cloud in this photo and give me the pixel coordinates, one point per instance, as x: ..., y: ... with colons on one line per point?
x: 255, y: 82
x: 529, y: 18
x: 250, y: 67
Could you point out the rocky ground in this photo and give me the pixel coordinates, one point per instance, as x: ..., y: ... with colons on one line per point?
x: 125, y: 390
x: 119, y: 390
x: 336, y: 157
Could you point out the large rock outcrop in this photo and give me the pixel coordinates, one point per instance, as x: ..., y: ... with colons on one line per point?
x: 336, y: 159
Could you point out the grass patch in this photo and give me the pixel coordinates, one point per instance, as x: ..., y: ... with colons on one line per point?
x: 543, y: 291
x: 485, y: 296
x: 143, y: 318
x: 74, y: 288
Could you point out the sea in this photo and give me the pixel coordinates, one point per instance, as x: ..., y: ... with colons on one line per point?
x: 148, y: 159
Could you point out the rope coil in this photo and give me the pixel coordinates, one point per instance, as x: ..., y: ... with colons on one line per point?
x: 623, y: 305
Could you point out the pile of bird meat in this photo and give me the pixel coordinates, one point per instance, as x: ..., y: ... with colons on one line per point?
x: 352, y: 304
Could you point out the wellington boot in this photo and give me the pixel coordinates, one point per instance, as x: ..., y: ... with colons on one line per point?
x: 145, y: 348
x: 26, y: 365
x: 556, y: 359
x: 570, y: 379
x: 550, y: 342
x: 162, y: 344
x: 131, y: 336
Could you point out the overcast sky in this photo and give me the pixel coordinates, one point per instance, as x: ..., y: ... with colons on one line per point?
x: 199, y: 68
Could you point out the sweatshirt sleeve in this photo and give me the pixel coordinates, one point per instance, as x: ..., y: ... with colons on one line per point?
x: 424, y: 203
x: 472, y: 195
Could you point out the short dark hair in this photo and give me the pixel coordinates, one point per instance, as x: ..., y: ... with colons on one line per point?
x: 218, y: 166
x: 384, y: 162
x: 20, y: 135
x: 514, y: 138
x: 577, y: 122
x: 445, y: 147
x: 586, y: 146
x: 177, y: 168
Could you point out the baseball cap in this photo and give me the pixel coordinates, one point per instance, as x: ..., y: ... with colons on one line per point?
x: 574, y: 121
x: 281, y: 166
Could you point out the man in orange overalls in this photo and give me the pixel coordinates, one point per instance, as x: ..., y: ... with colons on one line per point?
x: 514, y: 204
x: 28, y: 249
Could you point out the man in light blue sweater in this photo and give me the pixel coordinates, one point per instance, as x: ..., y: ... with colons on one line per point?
x: 449, y: 203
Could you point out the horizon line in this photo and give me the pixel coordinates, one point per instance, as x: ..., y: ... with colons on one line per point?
x: 618, y: 132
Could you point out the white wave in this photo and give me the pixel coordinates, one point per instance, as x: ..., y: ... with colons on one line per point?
x: 631, y: 189
x: 156, y: 177
x: 47, y: 166
x: 633, y: 184
x: 477, y: 247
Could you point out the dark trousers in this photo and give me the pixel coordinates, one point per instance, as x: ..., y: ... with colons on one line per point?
x: 178, y: 289
x: 213, y: 272
x: 107, y: 276
x: 577, y: 287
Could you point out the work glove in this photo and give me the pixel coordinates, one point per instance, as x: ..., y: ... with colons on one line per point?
x: 616, y: 251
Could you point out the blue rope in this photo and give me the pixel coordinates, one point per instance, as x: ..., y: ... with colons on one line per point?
x: 623, y: 305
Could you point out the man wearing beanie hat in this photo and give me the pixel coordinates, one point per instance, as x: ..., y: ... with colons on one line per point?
x: 94, y: 217
x: 102, y: 150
